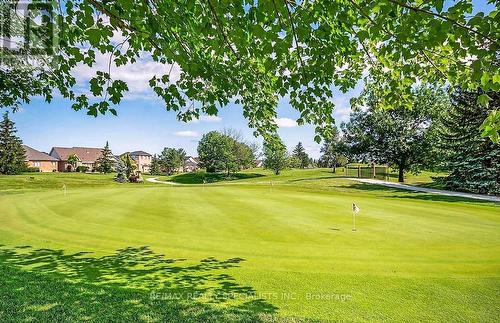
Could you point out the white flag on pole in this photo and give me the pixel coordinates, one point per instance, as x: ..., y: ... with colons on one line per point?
x: 355, y: 208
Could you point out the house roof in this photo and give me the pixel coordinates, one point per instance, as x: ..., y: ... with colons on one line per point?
x: 33, y: 154
x: 191, y: 159
x: 85, y: 154
x: 139, y: 153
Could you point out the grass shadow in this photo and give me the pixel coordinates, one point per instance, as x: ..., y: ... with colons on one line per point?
x: 134, y: 284
x: 442, y: 198
x: 407, y: 194
x: 369, y: 187
x: 202, y: 177
x: 314, y: 178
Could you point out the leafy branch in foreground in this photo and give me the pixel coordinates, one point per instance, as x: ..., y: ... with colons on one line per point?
x: 255, y: 52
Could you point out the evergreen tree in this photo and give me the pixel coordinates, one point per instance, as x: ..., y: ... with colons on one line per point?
x: 474, y: 161
x: 301, y: 154
x: 154, y: 168
x: 129, y: 164
x: 121, y: 171
x: 12, y: 153
x: 106, y: 161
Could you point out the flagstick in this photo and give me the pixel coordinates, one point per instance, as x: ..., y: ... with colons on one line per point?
x: 353, y: 221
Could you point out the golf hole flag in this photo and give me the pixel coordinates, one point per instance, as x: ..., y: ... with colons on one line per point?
x: 355, y: 208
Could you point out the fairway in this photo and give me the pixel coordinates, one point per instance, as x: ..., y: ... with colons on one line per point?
x: 260, y: 248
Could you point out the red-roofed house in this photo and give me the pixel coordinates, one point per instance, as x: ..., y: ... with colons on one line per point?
x: 87, y: 157
x: 43, y: 161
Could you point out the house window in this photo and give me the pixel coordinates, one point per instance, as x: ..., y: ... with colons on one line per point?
x: 36, y: 164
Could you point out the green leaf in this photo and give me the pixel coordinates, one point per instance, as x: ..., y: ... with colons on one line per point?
x: 485, y: 79
x: 483, y: 99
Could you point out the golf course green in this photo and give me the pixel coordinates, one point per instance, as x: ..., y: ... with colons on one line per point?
x: 259, y: 247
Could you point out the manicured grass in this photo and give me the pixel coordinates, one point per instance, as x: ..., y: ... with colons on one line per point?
x: 264, y: 248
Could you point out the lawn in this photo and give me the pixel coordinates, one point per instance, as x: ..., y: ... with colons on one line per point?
x: 258, y: 247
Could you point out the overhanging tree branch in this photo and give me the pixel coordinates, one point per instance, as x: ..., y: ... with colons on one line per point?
x: 294, y: 33
x: 454, y: 21
x: 221, y: 28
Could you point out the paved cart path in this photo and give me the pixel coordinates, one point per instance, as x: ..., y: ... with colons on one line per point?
x: 154, y: 180
x: 428, y: 190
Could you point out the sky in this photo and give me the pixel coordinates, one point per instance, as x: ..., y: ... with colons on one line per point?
x: 143, y: 122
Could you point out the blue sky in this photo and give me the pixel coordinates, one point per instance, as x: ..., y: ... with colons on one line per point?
x: 144, y: 124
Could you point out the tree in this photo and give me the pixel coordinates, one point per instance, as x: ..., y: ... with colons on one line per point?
x: 12, y: 153
x: 106, y: 161
x: 244, y: 155
x: 154, y: 168
x: 129, y: 163
x: 275, y: 156
x: 293, y: 162
x: 401, y: 137
x: 474, y: 161
x: 244, y: 152
x: 333, y: 152
x: 216, y: 152
x: 300, y: 153
x: 121, y: 171
x: 73, y: 160
x: 172, y: 159
x: 26, y: 75
x: 260, y: 50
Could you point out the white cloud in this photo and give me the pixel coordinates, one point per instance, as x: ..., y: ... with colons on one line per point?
x: 285, y: 122
x: 187, y: 133
x: 136, y: 75
x: 313, y: 150
x: 342, y: 108
x: 210, y: 118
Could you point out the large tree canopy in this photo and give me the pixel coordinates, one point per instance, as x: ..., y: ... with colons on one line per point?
x: 401, y: 137
x: 254, y: 52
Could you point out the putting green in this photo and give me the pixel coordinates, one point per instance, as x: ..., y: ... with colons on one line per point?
x: 279, y: 251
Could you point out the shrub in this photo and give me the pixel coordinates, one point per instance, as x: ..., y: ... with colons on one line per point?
x: 82, y: 169
x: 32, y: 170
x: 135, y: 179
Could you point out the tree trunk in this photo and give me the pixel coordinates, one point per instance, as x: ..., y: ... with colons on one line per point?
x: 334, y: 169
x: 401, y: 177
x: 401, y: 169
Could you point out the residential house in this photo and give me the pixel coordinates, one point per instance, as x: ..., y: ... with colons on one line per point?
x: 142, y: 160
x: 259, y: 163
x: 43, y: 161
x: 191, y: 164
x: 86, y: 157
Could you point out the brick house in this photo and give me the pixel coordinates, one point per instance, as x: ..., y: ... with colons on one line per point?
x: 191, y: 164
x: 43, y: 161
x: 86, y: 157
